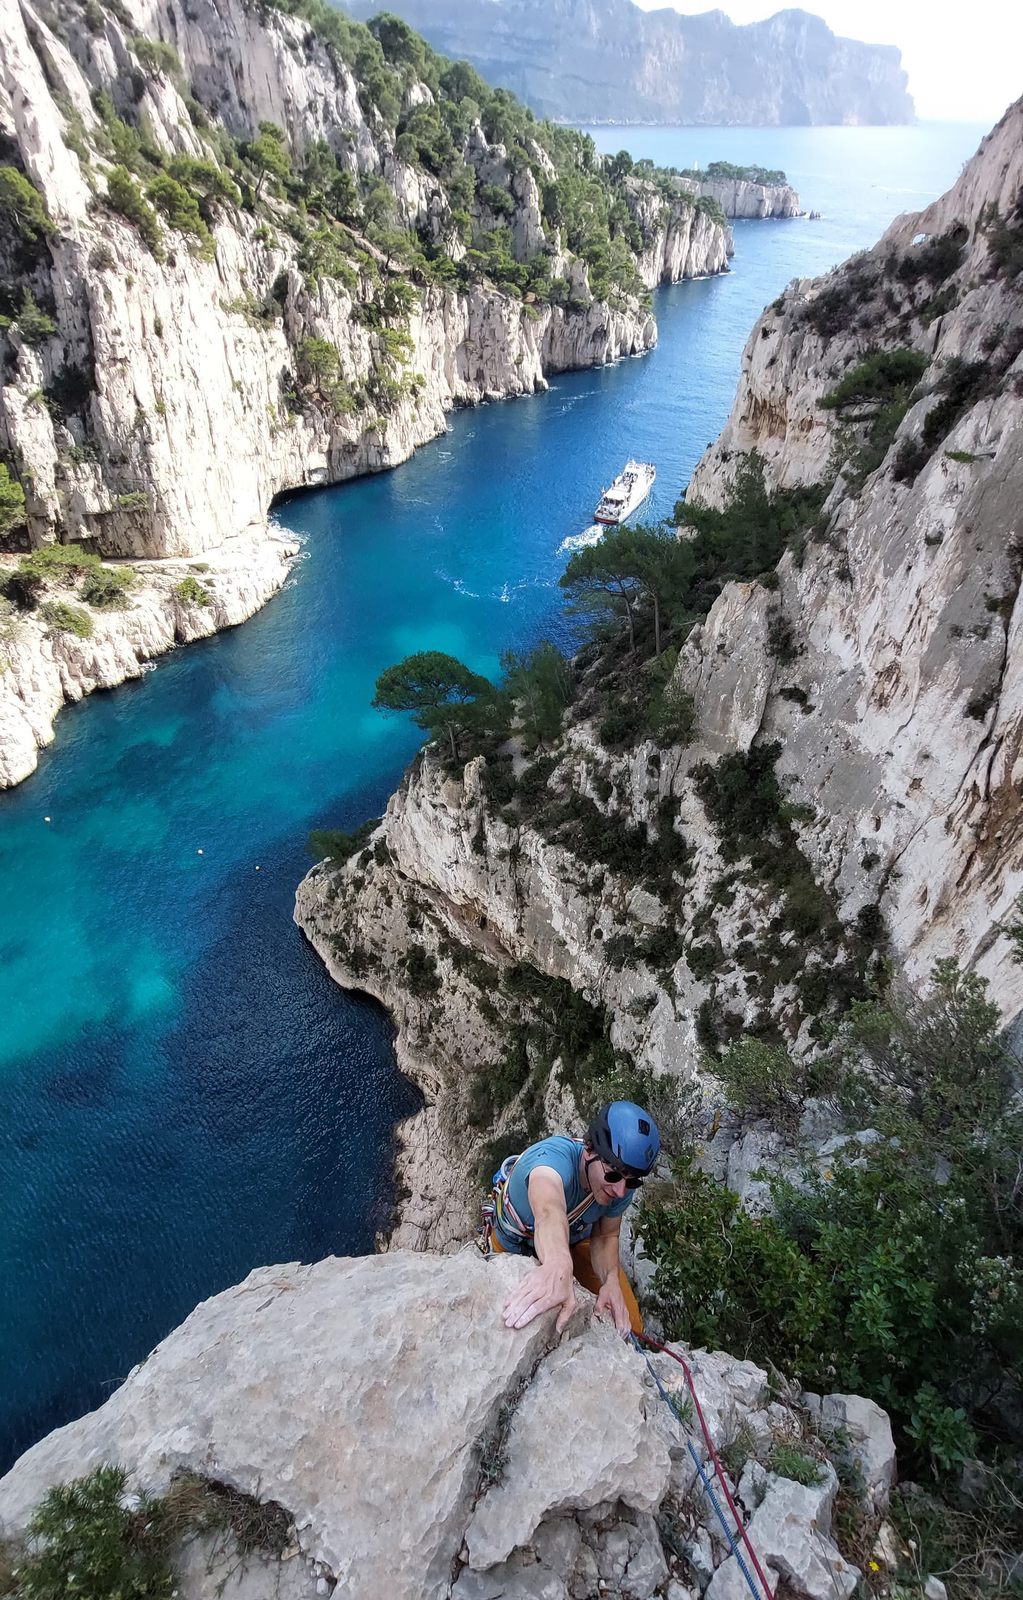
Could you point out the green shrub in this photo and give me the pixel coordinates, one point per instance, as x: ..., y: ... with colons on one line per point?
x: 881, y: 376
x: 190, y: 592
x: 934, y: 260
x: 107, y: 588
x: 763, y: 1080
x: 332, y: 844
x: 67, y: 618
x: 12, y: 501
x: 420, y: 971
x: 791, y: 1462
x: 156, y: 56
x: 898, y: 1271
x: 179, y: 208
x: 22, y: 208
x: 125, y: 196
x: 34, y: 325
x: 88, y: 1542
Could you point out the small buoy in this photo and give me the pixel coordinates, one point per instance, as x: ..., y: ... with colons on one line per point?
x: 257, y: 869
x: 198, y: 852
x: 46, y: 819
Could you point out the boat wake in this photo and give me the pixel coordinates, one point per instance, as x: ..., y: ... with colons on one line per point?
x: 579, y: 541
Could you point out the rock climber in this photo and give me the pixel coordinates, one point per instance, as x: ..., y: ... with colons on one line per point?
x: 562, y: 1200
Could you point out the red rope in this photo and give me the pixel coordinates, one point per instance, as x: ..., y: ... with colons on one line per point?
x: 655, y: 1345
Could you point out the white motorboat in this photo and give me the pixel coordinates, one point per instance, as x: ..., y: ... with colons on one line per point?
x: 626, y: 494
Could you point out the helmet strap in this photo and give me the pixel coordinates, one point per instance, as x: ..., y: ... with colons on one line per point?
x: 586, y: 1168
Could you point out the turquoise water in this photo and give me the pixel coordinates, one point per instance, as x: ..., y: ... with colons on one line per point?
x: 183, y: 1094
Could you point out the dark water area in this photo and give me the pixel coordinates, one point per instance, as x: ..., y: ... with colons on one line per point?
x: 184, y: 1095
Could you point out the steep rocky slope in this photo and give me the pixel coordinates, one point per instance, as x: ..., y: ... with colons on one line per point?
x: 374, y: 1429
x: 864, y: 694
x: 612, y: 62
x: 904, y: 613
x: 194, y: 314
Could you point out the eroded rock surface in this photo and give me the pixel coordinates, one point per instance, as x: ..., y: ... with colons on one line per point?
x: 423, y: 1451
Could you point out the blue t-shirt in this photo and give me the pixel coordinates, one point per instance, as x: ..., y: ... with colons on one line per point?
x: 562, y: 1156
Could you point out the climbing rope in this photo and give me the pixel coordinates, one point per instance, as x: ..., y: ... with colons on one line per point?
x: 639, y: 1340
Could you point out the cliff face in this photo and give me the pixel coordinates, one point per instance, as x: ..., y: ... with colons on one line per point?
x: 192, y: 364
x: 611, y: 62
x: 740, y: 197
x: 396, y: 1440
x: 876, y: 673
x: 907, y: 618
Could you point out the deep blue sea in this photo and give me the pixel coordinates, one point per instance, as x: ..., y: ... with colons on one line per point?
x: 183, y: 1093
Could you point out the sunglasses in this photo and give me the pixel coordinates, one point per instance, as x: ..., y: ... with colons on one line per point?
x: 612, y: 1175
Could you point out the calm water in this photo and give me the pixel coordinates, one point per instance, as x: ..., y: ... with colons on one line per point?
x: 183, y: 1094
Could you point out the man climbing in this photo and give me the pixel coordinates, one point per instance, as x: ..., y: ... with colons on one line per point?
x: 562, y: 1200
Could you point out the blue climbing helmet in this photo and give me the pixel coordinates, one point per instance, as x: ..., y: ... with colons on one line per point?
x: 625, y: 1136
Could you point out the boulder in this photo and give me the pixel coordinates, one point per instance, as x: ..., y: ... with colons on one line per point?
x: 858, y: 1430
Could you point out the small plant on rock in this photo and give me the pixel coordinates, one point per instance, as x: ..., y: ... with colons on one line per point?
x: 190, y: 592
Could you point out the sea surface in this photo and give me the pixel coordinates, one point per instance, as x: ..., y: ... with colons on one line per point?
x: 183, y: 1093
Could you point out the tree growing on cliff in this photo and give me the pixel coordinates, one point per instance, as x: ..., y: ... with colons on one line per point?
x: 443, y: 695
x: 627, y: 567
x: 12, y: 501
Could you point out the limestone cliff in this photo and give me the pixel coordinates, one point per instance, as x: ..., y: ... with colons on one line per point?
x: 374, y: 1429
x: 746, y: 198
x: 175, y: 350
x: 593, y: 61
x: 867, y: 691
x: 902, y: 724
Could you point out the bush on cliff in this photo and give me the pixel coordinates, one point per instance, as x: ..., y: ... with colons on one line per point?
x: 896, y: 1272
x: 108, y: 588
x: 12, y: 502
x: 67, y: 618
x: 125, y: 196
x: 190, y: 592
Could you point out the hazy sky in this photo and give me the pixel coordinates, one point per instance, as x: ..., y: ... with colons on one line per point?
x: 964, y: 59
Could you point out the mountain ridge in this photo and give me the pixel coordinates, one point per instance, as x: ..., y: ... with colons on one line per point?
x: 607, y: 61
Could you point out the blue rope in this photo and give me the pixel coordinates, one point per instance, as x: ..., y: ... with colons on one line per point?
x: 708, y: 1487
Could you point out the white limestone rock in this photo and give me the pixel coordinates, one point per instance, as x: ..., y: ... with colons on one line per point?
x: 858, y: 1428
x: 563, y: 1422
x: 363, y: 1397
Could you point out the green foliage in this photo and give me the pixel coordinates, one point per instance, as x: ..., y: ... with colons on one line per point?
x: 205, y: 178
x: 332, y: 844
x: 441, y: 694
x: 763, y: 1080
x: 125, y: 196
x: 792, y: 1462
x: 51, y: 564
x: 22, y: 209
x: 961, y: 385
x: 108, y: 588
x: 934, y: 260
x: 1004, y: 239
x: 155, y: 56
x: 882, y: 376
x: 89, y: 1544
x: 269, y: 155
x: 134, y: 500
x: 747, y: 536
x: 539, y: 684
x: 12, y: 501
x: 897, y: 1272
x: 34, y: 325
x: 419, y: 968
x: 190, y: 592
x: 67, y: 618
x: 179, y: 207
